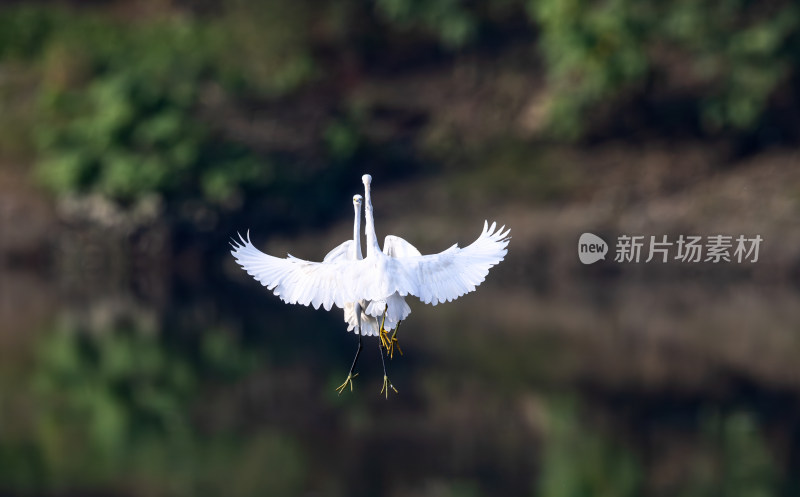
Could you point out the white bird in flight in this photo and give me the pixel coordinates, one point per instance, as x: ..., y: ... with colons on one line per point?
x: 354, y: 312
x: 378, y: 283
x: 358, y: 321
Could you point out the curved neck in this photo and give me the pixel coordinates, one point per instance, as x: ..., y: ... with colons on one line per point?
x: 357, y: 231
x: 372, y: 238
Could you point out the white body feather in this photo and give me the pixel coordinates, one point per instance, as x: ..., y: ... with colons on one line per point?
x: 355, y: 317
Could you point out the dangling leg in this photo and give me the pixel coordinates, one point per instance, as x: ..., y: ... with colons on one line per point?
x: 394, y: 342
x: 386, y: 383
x: 350, y: 375
x: 385, y: 342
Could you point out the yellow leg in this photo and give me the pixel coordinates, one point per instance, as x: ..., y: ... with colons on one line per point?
x: 385, y: 342
x: 394, y: 343
x: 348, y: 381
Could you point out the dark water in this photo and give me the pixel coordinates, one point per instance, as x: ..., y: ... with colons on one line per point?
x: 211, y: 386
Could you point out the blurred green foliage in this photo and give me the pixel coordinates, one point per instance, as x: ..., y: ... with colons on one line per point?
x: 118, y: 108
x: 111, y: 406
x: 730, y: 457
x: 450, y: 20
x: 579, y: 461
x: 745, y: 463
x: 729, y: 57
x: 593, y: 51
x: 266, y: 45
x: 127, y: 108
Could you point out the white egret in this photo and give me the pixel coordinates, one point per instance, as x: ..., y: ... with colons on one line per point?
x: 392, y: 309
x: 354, y: 312
x: 400, y: 269
x: 380, y: 281
x: 358, y: 322
x: 362, y: 316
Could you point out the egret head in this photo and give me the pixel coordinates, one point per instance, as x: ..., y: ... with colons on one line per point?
x: 367, y: 179
x: 357, y: 199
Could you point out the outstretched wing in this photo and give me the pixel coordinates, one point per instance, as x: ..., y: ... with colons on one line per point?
x: 394, y: 246
x: 342, y: 252
x: 294, y: 280
x: 450, y: 274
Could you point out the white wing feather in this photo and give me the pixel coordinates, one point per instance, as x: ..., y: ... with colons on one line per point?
x: 344, y: 251
x: 297, y: 281
x: 433, y: 278
x: 394, y: 246
x: 450, y: 274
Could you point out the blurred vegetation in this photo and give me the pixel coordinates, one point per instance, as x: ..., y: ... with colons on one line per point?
x: 729, y: 457
x: 125, y: 405
x: 130, y: 107
x: 237, y: 401
x: 452, y: 21
x: 579, y: 461
x: 728, y: 59
x: 743, y: 463
x: 192, y: 102
x: 117, y: 107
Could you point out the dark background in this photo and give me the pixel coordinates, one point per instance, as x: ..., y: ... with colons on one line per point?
x: 136, y: 138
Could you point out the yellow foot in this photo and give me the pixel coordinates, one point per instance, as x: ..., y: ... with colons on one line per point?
x: 348, y: 381
x: 386, y: 342
x: 387, y: 385
x: 390, y: 343
x: 393, y: 342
